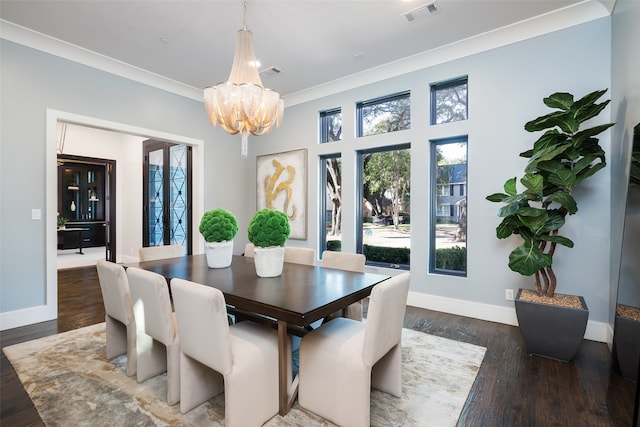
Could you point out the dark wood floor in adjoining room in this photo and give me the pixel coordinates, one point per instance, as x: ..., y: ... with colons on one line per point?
x: 512, y: 388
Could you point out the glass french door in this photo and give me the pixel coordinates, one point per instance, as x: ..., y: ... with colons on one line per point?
x: 167, y: 195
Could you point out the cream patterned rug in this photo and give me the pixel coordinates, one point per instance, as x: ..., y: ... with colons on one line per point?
x: 72, y: 383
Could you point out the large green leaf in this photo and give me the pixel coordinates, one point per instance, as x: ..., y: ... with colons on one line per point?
x: 564, y: 178
x: 584, y: 163
x: 534, y: 183
x: 588, y: 133
x: 511, y: 209
x: 508, y: 226
x: 555, y: 221
x: 496, y: 197
x: 586, y: 108
x: 560, y: 100
x: 564, y: 199
x: 589, y: 171
x: 551, y: 138
x: 533, y: 218
x: 526, y: 259
x: 510, y: 186
x: 558, y: 239
x: 545, y: 154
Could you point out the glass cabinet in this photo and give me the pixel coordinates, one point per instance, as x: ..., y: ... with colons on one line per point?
x: 81, y: 201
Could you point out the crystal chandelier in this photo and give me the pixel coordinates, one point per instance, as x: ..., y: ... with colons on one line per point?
x: 241, y: 104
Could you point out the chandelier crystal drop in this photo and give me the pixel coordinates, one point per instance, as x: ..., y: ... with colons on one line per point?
x: 241, y: 104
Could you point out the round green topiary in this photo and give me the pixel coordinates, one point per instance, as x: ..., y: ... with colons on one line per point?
x: 218, y: 225
x: 269, y: 227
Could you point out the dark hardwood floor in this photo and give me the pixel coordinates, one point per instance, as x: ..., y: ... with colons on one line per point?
x: 512, y: 388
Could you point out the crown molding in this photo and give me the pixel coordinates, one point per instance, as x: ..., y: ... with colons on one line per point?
x: 35, y: 40
x: 576, y: 14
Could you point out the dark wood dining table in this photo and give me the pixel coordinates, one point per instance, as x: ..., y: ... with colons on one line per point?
x: 300, y: 296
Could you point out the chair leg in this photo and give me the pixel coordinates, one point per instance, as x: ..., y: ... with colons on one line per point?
x: 173, y: 374
x: 152, y: 357
x: 354, y: 311
x: 386, y: 374
x: 198, y: 383
x: 132, y: 357
x: 116, y: 337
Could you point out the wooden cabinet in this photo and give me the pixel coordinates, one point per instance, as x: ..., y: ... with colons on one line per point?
x: 81, y: 200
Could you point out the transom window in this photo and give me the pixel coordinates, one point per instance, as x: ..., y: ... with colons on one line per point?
x: 449, y: 101
x: 330, y: 125
x: 382, y: 115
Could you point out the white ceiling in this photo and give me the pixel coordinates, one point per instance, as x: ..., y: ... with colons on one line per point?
x: 312, y: 41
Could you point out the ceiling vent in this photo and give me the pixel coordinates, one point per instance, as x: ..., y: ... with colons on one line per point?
x: 270, y: 72
x: 421, y: 12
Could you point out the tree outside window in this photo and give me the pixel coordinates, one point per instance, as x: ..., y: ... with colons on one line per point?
x: 449, y: 101
x: 331, y: 203
x: 330, y: 125
x: 382, y: 115
x: 385, y: 231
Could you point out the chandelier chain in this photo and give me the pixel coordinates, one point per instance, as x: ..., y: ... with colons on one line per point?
x: 245, y: 14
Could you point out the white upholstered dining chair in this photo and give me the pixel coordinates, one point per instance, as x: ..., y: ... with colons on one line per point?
x: 157, y: 341
x: 241, y: 360
x: 303, y: 256
x: 350, y: 262
x: 152, y: 253
x: 248, y: 250
x: 119, y: 319
x: 343, y: 359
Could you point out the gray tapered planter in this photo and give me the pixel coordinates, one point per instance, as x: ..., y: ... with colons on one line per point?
x: 626, y: 341
x: 551, y: 331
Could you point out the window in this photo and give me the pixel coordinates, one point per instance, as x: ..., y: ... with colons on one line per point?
x: 448, y: 247
x: 383, y: 115
x: 449, y: 101
x: 384, y: 229
x: 330, y: 125
x: 330, y: 203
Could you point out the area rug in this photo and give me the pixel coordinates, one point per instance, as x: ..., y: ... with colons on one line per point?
x: 71, y: 382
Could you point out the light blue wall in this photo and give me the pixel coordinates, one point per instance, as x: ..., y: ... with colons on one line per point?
x: 33, y: 82
x: 506, y: 88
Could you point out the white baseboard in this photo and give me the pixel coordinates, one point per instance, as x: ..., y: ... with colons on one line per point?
x: 596, y: 331
x: 27, y: 316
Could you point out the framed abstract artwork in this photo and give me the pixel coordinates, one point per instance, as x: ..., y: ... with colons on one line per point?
x: 281, y: 183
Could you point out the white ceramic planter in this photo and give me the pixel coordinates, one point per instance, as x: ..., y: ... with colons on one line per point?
x: 219, y: 254
x: 269, y: 261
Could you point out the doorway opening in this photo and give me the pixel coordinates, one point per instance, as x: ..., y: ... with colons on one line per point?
x: 129, y: 230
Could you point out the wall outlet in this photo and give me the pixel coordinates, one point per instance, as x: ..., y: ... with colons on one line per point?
x: 36, y: 214
x: 508, y: 294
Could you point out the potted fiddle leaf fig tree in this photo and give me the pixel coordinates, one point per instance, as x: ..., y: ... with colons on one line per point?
x: 268, y: 230
x: 218, y: 228
x: 560, y: 160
